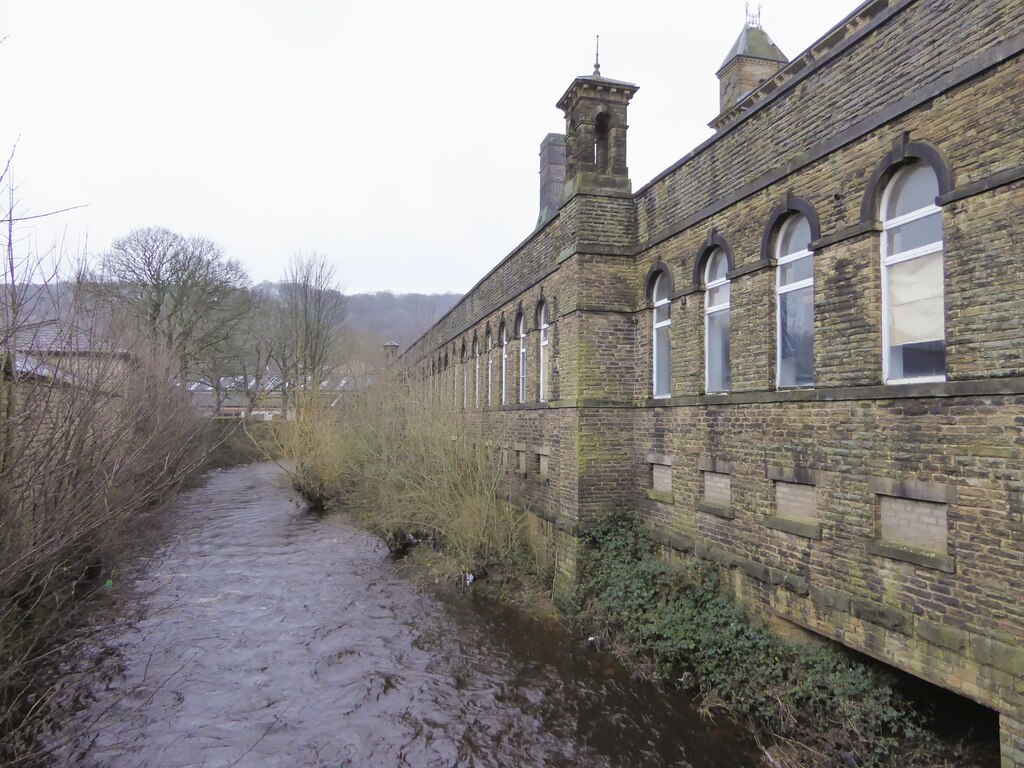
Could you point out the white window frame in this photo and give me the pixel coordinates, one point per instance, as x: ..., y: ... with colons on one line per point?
x: 490, y: 366
x: 656, y: 326
x: 709, y: 311
x: 465, y: 379
x: 542, y: 388
x: 897, y: 258
x: 504, y: 363
x: 476, y: 373
x: 781, y: 289
x: 522, y: 358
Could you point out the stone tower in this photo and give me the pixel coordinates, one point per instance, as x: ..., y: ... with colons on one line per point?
x: 752, y: 59
x: 595, y: 134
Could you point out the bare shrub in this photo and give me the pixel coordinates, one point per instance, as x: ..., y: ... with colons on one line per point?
x: 91, y: 436
x: 411, y: 470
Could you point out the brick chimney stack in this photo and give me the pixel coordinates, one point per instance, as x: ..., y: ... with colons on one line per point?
x: 552, y: 175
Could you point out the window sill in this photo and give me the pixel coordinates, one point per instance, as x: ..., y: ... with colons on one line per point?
x: 718, y: 510
x: 665, y: 497
x: 540, y: 478
x: 795, y: 527
x: 918, y: 380
x: 913, y: 555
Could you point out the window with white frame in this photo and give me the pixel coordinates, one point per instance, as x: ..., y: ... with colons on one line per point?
x: 521, y: 330
x: 476, y: 373
x: 661, y: 362
x: 503, y: 340
x: 913, y: 327
x: 542, y: 357
x: 490, y: 365
x: 717, y: 377
x: 794, y: 306
x: 465, y: 377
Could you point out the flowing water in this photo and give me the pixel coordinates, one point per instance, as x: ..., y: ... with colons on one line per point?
x: 269, y: 637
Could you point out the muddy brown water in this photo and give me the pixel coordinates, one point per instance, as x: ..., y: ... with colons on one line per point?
x: 269, y: 637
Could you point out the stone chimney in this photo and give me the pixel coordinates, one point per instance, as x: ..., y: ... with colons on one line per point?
x: 390, y: 353
x: 552, y: 175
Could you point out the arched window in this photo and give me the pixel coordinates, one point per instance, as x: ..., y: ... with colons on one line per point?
x: 717, y: 367
x: 465, y: 377
x: 794, y: 286
x: 490, y: 364
x: 476, y: 373
x: 913, y: 306
x: 521, y: 331
x: 661, y: 362
x: 542, y: 357
x: 503, y: 340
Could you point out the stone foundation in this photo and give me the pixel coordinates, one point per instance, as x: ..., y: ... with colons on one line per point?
x: 1011, y: 742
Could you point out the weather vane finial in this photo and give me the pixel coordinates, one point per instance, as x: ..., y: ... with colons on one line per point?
x: 753, y: 19
x: 597, y: 57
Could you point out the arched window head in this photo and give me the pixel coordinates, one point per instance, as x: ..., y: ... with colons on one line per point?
x: 542, y: 357
x: 661, y: 361
x: 794, y: 286
x: 717, y: 365
x: 913, y: 305
x: 602, y: 129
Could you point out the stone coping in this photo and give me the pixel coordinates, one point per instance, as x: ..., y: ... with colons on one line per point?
x: 718, y: 510
x: 802, y: 528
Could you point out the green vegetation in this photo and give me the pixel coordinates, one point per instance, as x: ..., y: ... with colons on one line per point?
x: 818, y: 706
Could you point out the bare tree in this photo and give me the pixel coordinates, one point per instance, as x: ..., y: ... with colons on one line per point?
x: 180, y: 293
x: 311, y: 311
x: 240, y: 366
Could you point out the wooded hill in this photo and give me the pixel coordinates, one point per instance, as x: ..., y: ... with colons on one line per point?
x: 399, y: 317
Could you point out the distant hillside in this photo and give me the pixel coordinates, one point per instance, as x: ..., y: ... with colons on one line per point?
x: 372, y: 319
x: 401, y: 317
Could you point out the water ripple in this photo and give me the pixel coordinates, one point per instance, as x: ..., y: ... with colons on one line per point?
x: 271, y: 638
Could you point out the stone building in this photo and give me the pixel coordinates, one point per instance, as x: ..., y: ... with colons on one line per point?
x: 798, y: 352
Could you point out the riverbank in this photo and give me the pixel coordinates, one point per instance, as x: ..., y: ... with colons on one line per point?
x: 418, y: 475
x: 272, y: 636
x: 64, y: 600
x: 817, y: 705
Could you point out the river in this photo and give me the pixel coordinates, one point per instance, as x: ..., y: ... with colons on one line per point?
x: 260, y: 635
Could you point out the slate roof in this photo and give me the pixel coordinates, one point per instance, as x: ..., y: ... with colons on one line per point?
x: 755, y: 43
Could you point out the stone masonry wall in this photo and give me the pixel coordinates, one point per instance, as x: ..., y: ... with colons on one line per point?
x: 886, y: 517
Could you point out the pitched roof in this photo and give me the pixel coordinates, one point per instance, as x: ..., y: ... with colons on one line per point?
x: 755, y: 43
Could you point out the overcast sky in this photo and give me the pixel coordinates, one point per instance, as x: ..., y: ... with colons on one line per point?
x: 398, y: 138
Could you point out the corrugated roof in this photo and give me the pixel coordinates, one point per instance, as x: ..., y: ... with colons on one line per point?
x: 755, y: 43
